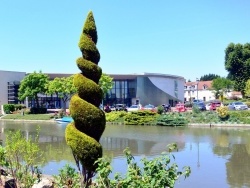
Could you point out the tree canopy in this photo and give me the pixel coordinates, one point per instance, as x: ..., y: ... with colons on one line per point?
x: 63, y: 88
x: 237, y: 63
x: 208, y: 77
x: 221, y: 85
x: 106, y: 83
x: 32, y: 85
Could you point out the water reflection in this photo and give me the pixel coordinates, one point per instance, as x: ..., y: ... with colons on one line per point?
x: 218, y: 157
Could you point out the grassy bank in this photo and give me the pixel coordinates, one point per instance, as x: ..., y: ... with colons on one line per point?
x: 27, y: 117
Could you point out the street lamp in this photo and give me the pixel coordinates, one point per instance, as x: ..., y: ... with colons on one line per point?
x: 197, y: 80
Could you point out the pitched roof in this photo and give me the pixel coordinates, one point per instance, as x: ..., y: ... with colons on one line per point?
x: 201, y: 84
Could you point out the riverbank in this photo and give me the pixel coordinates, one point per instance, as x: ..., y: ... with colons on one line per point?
x: 47, y: 118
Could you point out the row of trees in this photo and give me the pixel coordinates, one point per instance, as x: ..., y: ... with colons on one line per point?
x: 40, y: 83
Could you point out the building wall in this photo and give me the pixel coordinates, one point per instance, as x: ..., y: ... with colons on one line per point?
x: 8, y: 76
x: 159, y: 90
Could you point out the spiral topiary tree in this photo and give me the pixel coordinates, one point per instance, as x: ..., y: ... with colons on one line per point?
x: 84, y: 133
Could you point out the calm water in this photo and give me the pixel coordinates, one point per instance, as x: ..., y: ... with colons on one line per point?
x: 218, y: 157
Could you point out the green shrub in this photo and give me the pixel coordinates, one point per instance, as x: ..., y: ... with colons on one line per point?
x: 158, y: 172
x: 19, y: 106
x: 35, y: 110
x: 8, y: 108
x: 141, y: 117
x: 172, y: 120
x: 160, y: 109
x: 20, y: 158
x: 115, y: 116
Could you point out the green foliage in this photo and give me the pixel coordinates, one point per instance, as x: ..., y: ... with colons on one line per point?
x: 223, y: 112
x: 221, y: 85
x: 9, y: 108
x: 83, y: 134
x: 208, y: 77
x: 141, y: 117
x: 20, y: 157
x: 63, y: 88
x: 172, y: 120
x: 67, y: 177
x: 237, y: 63
x: 247, y: 88
x: 28, y: 116
x: 35, y: 110
x: 106, y: 83
x: 195, y: 109
x: 158, y: 172
x: 115, y: 116
x: 160, y: 109
x: 32, y: 85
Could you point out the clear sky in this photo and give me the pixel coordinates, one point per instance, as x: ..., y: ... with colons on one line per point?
x: 179, y: 37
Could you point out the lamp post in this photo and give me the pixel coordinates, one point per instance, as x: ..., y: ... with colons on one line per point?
x: 197, y: 80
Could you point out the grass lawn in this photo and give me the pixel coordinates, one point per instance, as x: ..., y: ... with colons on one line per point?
x: 28, y: 116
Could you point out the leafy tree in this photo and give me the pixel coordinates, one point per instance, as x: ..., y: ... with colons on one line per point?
x: 63, y: 88
x: 221, y: 85
x: 83, y: 134
x: 106, y: 83
x: 208, y: 77
x: 247, y: 88
x: 237, y: 63
x: 32, y: 85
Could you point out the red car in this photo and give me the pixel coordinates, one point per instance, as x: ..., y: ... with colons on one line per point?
x: 214, y: 105
x: 180, y: 107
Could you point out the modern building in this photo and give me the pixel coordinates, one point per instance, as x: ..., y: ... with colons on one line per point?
x: 9, y: 84
x: 144, y: 88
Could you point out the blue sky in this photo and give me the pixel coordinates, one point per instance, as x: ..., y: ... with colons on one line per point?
x: 184, y: 38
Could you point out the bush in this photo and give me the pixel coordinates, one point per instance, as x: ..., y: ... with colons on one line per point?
x: 158, y: 172
x: 8, y: 108
x: 171, y: 120
x: 35, y: 110
x: 160, y: 109
x: 141, y: 117
x: 19, y: 158
x: 115, y: 116
x: 19, y: 106
x: 223, y: 112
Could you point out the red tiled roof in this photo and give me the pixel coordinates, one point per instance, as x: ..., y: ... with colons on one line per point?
x: 201, y: 84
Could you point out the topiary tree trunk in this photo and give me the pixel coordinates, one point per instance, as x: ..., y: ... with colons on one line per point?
x: 84, y: 133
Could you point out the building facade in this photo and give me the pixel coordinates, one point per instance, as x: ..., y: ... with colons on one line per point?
x: 144, y: 88
x: 9, y: 84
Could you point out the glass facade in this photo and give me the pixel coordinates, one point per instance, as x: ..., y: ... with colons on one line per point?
x: 122, y: 93
x: 13, y: 92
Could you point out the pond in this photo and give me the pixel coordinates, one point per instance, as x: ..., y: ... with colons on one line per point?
x: 218, y: 157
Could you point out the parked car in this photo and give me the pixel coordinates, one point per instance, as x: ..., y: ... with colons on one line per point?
x: 208, y: 105
x: 200, y: 105
x: 214, y: 104
x: 197, y: 101
x: 133, y: 108
x: 149, y: 107
x: 180, y: 107
x: 237, y: 106
x: 120, y: 107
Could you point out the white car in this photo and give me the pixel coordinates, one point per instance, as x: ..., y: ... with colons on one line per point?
x: 133, y: 108
x: 237, y: 106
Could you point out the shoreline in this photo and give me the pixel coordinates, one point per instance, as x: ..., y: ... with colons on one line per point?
x: 209, y: 125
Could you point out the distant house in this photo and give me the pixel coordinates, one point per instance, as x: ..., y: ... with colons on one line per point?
x: 203, y: 90
x: 198, y: 90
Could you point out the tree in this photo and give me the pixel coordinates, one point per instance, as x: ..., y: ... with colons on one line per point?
x: 247, y: 88
x: 32, y: 85
x: 208, y: 77
x: 106, y: 83
x: 237, y: 63
x: 83, y: 134
x: 221, y: 85
x: 63, y: 88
